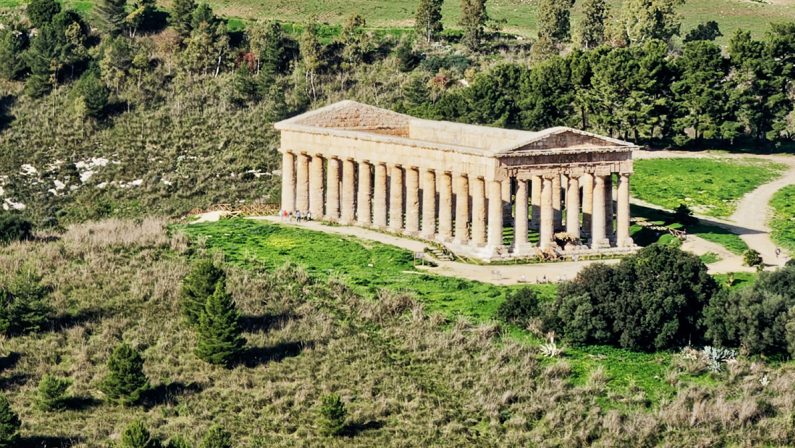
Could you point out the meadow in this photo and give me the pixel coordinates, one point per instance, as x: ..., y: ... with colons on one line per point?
x: 783, y: 221
x: 708, y: 187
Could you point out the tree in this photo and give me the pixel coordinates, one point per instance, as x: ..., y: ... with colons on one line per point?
x: 197, y: 286
x: 354, y: 41
x: 646, y: 20
x: 178, y: 442
x: 491, y: 98
x: 14, y: 227
x: 125, y: 381
x: 92, y: 95
x: 135, y: 435
x: 332, y: 415
x: 704, y: 31
x: 519, y: 307
x: 13, y: 43
x: 311, y: 55
x: 216, y: 437
x: 111, y: 16
x: 43, y: 61
x: 267, y: 44
x: 140, y: 18
x: 592, y: 29
x: 207, y: 50
x: 41, y: 12
x: 51, y: 394
x: 546, y: 95
x: 428, y: 20
x: 220, y: 339
x: 752, y: 258
x: 182, y: 17
x: 473, y: 19
x: 554, y: 20
x: 9, y: 424
x: 23, y: 305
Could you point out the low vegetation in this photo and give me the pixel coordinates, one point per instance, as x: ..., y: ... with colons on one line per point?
x: 783, y: 221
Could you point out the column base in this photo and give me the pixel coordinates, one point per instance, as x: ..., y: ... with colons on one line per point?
x: 600, y: 244
x: 523, y: 250
x: 627, y: 242
x: 443, y: 239
x: 429, y: 237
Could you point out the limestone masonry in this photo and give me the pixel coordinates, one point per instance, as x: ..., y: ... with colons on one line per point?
x: 459, y: 184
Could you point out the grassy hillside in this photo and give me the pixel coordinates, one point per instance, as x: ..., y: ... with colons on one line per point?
x: 516, y: 16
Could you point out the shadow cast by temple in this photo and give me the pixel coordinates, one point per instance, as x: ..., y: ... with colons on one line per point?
x: 356, y: 428
x: 265, y: 322
x: 9, y: 361
x: 66, y: 321
x: 81, y: 403
x: 168, y: 394
x: 48, y: 442
x: 256, y: 356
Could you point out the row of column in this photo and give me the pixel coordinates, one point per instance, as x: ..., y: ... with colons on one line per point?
x: 463, y: 209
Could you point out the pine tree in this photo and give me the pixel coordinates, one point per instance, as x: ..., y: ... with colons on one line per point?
x: 220, y: 338
x: 270, y: 51
x: 332, y: 415
x: 23, y: 305
x: 554, y: 20
x: 92, y: 95
x: 43, y: 61
x: 182, y: 17
x: 699, y: 92
x: 13, y: 43
x: 311, y: 55
x: 197, y: 286
x: 592, y: 30
x: 111, y: 16
x: 41, y: 12
x: 136, y: 435
x: 52, y: 393
x: 125, y: 381
x: 428, y: 20
x: 473, y: 18
x: 646, y: 20
x: 9, y: 424
x: 216, y: 437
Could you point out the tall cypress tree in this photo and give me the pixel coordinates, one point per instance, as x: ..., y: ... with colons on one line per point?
x: 473, y: 19
x: 554, y: 20
x: 13, y: 43
x: 428, y: 20
x: 125, y: 381
x: 592, y: 29
x: 9, y: 424
x: 220, y: 338
x: 197, y: 286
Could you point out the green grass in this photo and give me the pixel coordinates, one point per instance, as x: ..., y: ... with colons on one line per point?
x: 783, y: 222
x: 708, y: 186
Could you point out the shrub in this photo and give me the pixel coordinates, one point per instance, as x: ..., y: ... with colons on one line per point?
x: 126, y: 380
x: 216, y: 437
x: 14, y: 227
x: 136, y: 435
x: 220, y: 338
x: 752, y: 258
x: 519, y: 307
x: 197, y: 286
x: 52, y: 393
x: 9, y: 424
x: 178, y: 442
x: 332, y: 415
x: 650, y: 301
x: 22, y: 304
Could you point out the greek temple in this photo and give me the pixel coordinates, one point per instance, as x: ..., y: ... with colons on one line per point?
x: 482, y: 192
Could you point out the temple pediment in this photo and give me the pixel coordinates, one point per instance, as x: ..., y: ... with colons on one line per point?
x: 562, y: 138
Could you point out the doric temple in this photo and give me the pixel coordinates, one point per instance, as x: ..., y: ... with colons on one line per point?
x: 458, y: 184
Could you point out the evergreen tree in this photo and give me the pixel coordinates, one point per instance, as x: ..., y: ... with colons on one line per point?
x: 704, y: 31
x: 13, y: 43
x: 41, y: 12
x: 207, y: 50
x: 216, y: 437
x: 473, y: 19
x: 492, y: 98
x: 125, y: 381
x: 197, y: 286
x: 220, y: 338
x: 311, y: 55
x: 546, y: 95
x: 178, y: 442
x: 244, y: 87
x: 111, y: 16
x: 354, y: 41
x: 92, y: 95
x: 52, y: 393
x: 203, y: 14
x: 646, y: 20
x: 9, y: 424
x: 136, y: 435
x: 554, y: 20
x: 23, y: 306
x: 428, y: 20
x: 140, y: 18
x: 43, y: 61
x: 182, y: 17
x: 268, y: 45
x: 332, y: 415
x: 592, y: 29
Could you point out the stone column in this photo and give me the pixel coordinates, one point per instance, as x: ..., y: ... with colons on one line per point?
x: 428, y: 204
x: 462, y: 209
x: 587, y: 202
x: 363, y: 198
x: 379, y: 196
x: 557, y: 203
x: 598, y: 239
x: 445, y: 206
x: 496, y: 209
x: 609, y: 209
x: 478, y: 211
x: 288, y: 182
x: 395, y: 198
x: 547, y: 229
x: 333, y: 189
x: 622, y: 235
x: 316, y: 187
x: 573, y: 208
x: 412, y: 201
x: 536, y: 185
x: 302, y: 184
x: 520, y: 244
x: 348, y: 192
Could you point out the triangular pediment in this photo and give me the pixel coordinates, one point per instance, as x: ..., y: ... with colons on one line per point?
x: 350, y: 115
x: 563, y: 138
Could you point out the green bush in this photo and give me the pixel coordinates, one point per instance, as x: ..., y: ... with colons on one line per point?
x: 178, y: 442
x: 332, y: 415
x: 752, y: 258
x: 136, y: 435
x: 51, y: 394
x: 197, y: 286
x: 23, y: 306
x: 216, y: 437
x: 220, y: 339
x: 14, y: 227
x: 519, y: 307
x: 125, y: 381
x: 650, y: 301
x: 9, y: 424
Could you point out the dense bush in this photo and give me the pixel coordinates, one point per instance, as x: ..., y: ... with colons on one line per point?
x: 519, y: 307
x: 652, y: 300
x: 14, y: 227
x: 332, y: 415
x: 9, y: 424
x: 125, y: 381
x: 752, y: 258
x: 197, y: 286
x: 759, y: 319
x: 220, y: 339
x: 23, y: 306
x: 136, y: 435
x: 51, y: 393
